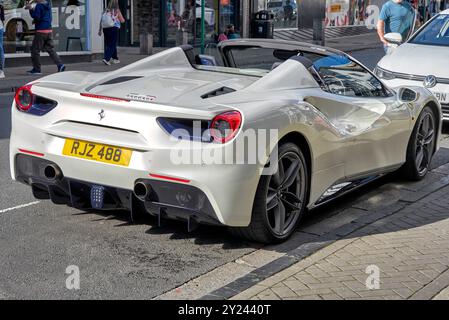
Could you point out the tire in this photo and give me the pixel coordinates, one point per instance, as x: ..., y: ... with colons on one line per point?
x: 421, y: 147
x: 265, y: 225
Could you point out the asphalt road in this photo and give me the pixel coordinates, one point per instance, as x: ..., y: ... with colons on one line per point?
x: 39, y: 240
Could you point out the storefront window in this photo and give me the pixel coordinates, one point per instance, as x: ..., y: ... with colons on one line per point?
x: 69, y: 26
x: 183, y: 20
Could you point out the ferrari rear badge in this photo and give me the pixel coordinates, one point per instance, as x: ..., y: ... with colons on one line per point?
x: 102, y: 114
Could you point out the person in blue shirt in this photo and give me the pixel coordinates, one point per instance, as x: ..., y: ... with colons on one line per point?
x: 395, y: 16
x: 41, y: 13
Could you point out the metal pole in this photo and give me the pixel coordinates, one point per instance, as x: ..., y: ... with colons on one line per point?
x: 203, y: 25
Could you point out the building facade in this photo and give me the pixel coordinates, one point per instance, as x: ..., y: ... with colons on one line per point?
x: 175, y: 22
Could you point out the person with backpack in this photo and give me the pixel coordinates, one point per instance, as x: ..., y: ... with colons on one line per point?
x: 41, y: 13
x: 111, y: 21
x: 2, y: 51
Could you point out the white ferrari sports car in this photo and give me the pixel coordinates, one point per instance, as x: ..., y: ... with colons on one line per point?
x: 279, y: 127
x: 422, y: 61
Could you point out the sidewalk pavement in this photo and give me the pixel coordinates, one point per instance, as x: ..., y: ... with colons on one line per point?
x: 409, y: 249
x: 16, y: 77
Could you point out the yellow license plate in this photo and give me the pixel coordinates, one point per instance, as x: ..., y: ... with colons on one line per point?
x: 97, y: 152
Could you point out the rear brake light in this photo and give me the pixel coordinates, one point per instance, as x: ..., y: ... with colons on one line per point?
x: 225, y: 126
x: 24, y: 98
x: 96, y: 96
x: 28, y: 102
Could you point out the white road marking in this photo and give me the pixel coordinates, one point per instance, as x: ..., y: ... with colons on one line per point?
x: 19, y: 207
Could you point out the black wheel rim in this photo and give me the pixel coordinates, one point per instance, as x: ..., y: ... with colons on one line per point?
x: 285, y: 196
x: 424, y: 143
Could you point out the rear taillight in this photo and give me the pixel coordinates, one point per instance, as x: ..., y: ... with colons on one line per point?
x: 24, y: 98
x: 28, y: 102
x: 225, y: 126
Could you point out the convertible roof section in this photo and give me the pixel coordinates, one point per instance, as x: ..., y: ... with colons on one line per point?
x: 292, y: 74
x: 278, y: 44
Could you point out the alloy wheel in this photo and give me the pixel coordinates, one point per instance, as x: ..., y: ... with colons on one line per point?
x: 425, y: 143
x: 286, y: 194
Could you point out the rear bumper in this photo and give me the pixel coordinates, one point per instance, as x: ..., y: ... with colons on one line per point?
x: 167, y: 200
x: 229, y: 187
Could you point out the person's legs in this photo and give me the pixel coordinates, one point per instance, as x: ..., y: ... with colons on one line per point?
x: 108, y: 34
x: 2, y: 52
x: 36, y: 47
x: 114, y: 43
x: 50, y: 48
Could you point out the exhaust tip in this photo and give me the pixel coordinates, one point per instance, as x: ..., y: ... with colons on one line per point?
x: 141, y: 190
x: 51, y: 172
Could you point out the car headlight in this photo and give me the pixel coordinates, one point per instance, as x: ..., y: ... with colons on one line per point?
x: 384, y: 74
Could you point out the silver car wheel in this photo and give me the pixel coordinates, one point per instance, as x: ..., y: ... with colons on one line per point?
x: 286, y: 194
x: 425, y: 143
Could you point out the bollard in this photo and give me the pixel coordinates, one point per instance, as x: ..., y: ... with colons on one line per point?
x: 318, y: 32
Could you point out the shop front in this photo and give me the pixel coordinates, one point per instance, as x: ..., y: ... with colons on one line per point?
x: 337, y: 13
x: 181, y: 20
x: 176, y: 22
x: 75, y: 24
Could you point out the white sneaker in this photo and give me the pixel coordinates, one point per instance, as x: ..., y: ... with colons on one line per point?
x: 115, y: 61
x: 2, y: 74
x: 106, y: 62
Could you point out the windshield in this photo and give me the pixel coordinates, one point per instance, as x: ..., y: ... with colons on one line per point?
x: 436, y: 33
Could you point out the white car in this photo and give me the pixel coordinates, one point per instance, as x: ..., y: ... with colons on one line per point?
x: 422, y: 61
x: 209, y: 14
x: 181, y: 139
x: 17, y: 21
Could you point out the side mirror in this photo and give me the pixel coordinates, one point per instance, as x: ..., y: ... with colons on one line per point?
x: 393, y: 37
x: 407, y: 95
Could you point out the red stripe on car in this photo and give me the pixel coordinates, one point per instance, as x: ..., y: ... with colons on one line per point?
x: 169, y: 178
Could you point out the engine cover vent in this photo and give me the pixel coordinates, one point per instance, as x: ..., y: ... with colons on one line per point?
x: 119, y: 80
x: 217, y: 92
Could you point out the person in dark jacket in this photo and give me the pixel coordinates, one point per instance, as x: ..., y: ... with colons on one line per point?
x: 43, y: 38
x: 2, y: 51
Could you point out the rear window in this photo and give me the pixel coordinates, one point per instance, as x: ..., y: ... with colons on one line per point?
x: 435, y: 33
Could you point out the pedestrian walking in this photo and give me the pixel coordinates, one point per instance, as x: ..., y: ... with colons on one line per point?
x: 395, y: 16
x: 111, y: 21
x: 41, y: 12
x: 2, y: 51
